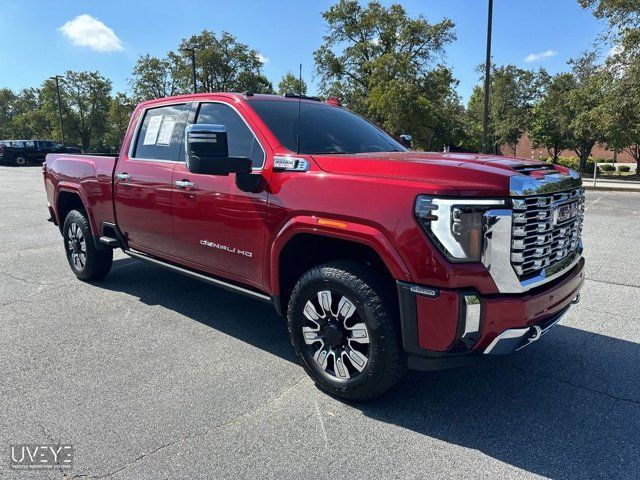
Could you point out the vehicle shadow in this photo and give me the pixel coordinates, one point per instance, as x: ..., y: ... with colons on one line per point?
x: 568, y: 407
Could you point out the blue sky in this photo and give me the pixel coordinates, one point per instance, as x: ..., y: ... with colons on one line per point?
x: 35, y: 46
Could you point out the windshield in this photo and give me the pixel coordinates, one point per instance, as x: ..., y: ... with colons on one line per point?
x: 324, y: 128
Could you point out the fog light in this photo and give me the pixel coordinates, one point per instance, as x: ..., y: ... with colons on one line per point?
x: 471, y: 310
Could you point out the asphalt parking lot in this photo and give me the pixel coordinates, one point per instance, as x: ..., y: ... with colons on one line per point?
x: 152, y: 375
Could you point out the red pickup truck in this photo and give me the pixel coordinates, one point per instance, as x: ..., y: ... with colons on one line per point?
x: 381, y: 258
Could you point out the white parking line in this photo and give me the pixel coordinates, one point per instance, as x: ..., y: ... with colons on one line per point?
x: 594, y: 202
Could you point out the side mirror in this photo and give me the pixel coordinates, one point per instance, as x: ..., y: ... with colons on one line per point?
x: 207, y: 151
x: 406, y: 140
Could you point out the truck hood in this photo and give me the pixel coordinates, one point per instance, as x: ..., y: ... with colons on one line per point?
x: 468, y: 174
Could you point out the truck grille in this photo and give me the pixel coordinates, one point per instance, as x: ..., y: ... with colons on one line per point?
x: 546, y: 230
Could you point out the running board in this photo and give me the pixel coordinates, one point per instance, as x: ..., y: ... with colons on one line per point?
x: 199, y: 276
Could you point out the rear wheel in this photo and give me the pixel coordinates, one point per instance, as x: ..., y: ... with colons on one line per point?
x: 343, y: 323
x: 20, y: 161
x: 87, y: 262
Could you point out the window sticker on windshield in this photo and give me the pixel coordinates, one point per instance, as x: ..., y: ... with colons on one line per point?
x: 166, y: 130
x: 152, y: 130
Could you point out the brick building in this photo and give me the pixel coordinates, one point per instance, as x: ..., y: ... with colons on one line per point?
x: 525, y: 149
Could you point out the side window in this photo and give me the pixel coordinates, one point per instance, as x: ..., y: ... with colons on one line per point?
x: 161, y: 132
x: 242, y: 142
x: 30, y: 144
x: 44, y: 144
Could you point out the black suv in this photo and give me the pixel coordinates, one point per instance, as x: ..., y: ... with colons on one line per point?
x: 23, y: 152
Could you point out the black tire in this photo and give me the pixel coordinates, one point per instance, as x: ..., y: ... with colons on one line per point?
x: 20, y: 161
x: 87, y: 262
x: 376, y: 306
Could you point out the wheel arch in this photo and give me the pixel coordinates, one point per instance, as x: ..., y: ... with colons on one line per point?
x: 69, y: 198
x: 303, y: 244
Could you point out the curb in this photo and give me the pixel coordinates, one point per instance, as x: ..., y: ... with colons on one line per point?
x: 611, y: 189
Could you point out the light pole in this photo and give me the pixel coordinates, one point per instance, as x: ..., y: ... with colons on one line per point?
x: 57, y: 79
x: 192, y: 50
x: 487, y: 81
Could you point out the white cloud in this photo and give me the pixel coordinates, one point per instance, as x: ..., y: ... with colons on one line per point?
x: 536, y: 57
x: 86, y: 31
x: 264, y: 60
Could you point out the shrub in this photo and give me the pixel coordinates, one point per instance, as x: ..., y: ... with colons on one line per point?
x: 608, y: 168
x: 574, y: 163
x: 624, y: 168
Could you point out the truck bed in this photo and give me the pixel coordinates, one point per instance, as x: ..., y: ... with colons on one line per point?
x: 90, y: 176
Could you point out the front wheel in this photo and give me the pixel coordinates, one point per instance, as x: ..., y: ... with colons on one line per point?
x: 85, y: 260
x: 20, y: 161
x: 343, y: 323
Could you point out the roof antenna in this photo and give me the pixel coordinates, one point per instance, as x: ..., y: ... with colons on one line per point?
x: 299, y: 109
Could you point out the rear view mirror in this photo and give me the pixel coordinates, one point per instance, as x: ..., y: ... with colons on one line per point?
x: 207, y: 151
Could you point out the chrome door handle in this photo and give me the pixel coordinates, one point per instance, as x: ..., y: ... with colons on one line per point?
x: 123, y: 176
x: 185, y: 184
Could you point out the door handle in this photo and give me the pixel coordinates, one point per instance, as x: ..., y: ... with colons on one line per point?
x: 185, y: 184
x: 123, y: 176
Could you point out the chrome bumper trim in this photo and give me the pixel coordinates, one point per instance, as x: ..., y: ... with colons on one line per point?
x: 515, y: 339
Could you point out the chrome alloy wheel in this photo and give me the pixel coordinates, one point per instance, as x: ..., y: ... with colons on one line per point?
x: 337, y: 340
x: 77, y: 246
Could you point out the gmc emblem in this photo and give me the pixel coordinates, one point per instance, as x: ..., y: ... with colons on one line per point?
x: 565, y: 212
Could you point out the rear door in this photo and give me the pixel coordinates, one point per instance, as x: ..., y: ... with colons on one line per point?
x: 142, y: 180
x: 218, y: 227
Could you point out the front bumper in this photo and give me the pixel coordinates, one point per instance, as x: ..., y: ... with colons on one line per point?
x: 441, y: 328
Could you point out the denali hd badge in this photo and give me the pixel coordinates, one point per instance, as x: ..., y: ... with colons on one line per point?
x: 565, y: 212
x: 244, y: 253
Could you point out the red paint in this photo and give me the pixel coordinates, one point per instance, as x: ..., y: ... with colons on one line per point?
x: 373, y: 193
x: 438, y: 321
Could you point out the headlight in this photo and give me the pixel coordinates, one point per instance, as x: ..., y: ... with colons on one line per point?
x: 456, y: 225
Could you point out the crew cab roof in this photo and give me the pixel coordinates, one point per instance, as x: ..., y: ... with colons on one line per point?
x: 195, y: 97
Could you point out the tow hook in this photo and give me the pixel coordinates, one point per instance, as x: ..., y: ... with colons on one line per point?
x: 575, y: 300
x: 535, y: 334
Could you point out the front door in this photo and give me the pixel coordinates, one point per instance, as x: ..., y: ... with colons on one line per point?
x: 142, y: 180
x: 218, y: 227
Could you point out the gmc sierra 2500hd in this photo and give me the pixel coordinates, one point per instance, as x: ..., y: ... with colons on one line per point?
x: 381, y: 258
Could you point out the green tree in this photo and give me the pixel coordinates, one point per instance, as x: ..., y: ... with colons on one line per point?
x: 87, y: 96
x: 223, y: 64
x: 155, y: 77
x: 550, y: 120
x: 120, y: 109
x: 7, y: 112
x: 380, y: 62
x: 31, y: 115
x: 513, y: 92
x: 623, y: 17
x: 586, y: 106
x: 428, y: 108
x: 291, y: 84
x: 622, y: 114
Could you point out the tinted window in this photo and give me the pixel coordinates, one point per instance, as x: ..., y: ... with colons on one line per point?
x: 160, y: 136
x: 44, y: 144
x: 242, y: 142
x: 30, y: 144
x: 324, y: 128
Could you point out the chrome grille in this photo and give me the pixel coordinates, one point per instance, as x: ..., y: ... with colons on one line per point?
x: 540, y: 237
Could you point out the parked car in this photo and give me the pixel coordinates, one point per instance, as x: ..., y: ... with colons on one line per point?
x: 23, y: 152
x: 380, y: 258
